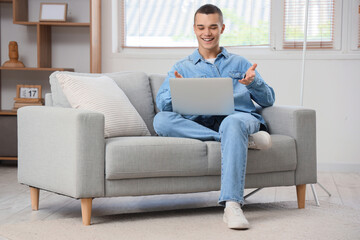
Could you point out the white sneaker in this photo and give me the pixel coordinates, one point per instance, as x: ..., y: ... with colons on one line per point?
x: 259, y: 140
x: 234, y: 217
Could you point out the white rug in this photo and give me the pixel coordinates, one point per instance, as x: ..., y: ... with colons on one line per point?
x: 269, y: 221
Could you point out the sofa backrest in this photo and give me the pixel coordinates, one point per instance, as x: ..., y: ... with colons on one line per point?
x: 136, y: 86
x: 155, y: 82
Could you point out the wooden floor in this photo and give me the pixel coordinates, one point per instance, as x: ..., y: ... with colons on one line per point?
x: 15, y: 198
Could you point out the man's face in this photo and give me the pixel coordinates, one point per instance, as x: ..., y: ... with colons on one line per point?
x: 208, y: 29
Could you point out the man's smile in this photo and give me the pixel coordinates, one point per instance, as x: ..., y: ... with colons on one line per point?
x: 207, y: 39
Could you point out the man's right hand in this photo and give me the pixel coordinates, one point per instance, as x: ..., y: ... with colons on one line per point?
x: 178, y: 75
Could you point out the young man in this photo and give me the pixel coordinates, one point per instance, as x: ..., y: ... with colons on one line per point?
x: 233, y: 131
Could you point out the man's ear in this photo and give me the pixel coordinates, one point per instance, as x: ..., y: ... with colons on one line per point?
x: 222, y: 28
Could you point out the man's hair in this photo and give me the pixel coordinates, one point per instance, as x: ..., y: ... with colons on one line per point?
x: 209, y: 9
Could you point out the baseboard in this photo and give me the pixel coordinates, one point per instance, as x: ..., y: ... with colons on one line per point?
x: 338, y: 167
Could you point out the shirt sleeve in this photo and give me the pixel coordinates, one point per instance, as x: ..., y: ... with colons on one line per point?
x: 163, y: 97
x: 261, y: 93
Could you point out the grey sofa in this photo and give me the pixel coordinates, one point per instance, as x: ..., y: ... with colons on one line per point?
x: 63, y: 150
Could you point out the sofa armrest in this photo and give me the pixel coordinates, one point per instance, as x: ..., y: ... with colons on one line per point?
x: 300, y: 124
x: 48, y: 99
x: 61, y: 150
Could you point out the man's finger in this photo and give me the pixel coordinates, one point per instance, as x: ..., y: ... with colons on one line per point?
x: 253, y: 67
x: 178, y: 75
x: 242, y: 81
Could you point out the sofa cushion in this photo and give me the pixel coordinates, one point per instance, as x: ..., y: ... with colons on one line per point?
x: 146, y: 157
x: 280, y: 157
x: 137, y: 88
x: 134, y: 84
x: 102, y: 94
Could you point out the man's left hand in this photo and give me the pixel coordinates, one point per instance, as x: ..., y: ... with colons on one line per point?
x: 249, y: 76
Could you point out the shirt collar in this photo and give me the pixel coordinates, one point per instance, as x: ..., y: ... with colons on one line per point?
x: 196, y: 56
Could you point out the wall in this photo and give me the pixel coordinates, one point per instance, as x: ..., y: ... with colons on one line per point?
x: 332, y: 83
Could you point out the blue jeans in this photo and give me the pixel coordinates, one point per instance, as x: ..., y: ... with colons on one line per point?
x: 232, y: 131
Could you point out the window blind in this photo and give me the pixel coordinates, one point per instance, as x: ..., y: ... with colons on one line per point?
x: 320, y: 32
x: 164, y: 23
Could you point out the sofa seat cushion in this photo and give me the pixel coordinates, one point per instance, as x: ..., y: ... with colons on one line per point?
x: 146, y: 157
x: 280, y: 157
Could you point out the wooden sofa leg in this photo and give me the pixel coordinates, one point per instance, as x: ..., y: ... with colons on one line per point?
x: 34, y: 195
x: 301, y: 192
x: 86, y: 205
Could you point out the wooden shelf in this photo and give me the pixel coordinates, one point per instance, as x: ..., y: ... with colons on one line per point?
x: 9, y: 158
x: 8, y: 112
x: 37, y: 69
x: 5, y: 1
x: 64, y: 24
x: 21, y: 16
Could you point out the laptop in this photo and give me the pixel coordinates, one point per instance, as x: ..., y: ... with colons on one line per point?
x: 202, y: 96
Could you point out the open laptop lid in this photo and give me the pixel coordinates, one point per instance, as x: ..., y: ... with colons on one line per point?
x: 202, y: 96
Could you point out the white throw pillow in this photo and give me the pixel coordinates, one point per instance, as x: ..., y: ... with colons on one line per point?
x: 102, y: 94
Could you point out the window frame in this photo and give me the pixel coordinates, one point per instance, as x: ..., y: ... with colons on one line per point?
x: 354, y: 26
x: 343, y: 40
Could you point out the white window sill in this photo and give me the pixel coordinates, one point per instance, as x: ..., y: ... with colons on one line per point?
x: 250, y: 53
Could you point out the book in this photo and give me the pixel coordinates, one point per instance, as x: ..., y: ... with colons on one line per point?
x: 29, y: 100
x: 18, y: 105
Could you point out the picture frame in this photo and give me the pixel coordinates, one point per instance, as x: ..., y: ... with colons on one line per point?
x: 53, y: 12
x: 30, y: 93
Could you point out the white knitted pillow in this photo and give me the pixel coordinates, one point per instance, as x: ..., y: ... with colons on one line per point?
x: 102, y: 94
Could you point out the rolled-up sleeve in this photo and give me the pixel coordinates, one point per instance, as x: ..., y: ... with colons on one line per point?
x: 163, y: 97
x: 261, y: 93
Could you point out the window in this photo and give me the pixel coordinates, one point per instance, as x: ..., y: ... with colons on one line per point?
x: 277, y: 25
x: 320, y: 33
x: 164, y: 23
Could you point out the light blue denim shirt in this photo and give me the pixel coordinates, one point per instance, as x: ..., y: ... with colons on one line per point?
x: 225, y: 65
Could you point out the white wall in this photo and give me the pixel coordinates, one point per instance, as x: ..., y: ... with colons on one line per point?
x: 332, y: 83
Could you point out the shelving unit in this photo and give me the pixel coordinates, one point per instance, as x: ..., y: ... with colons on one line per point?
x: 43, y: 34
